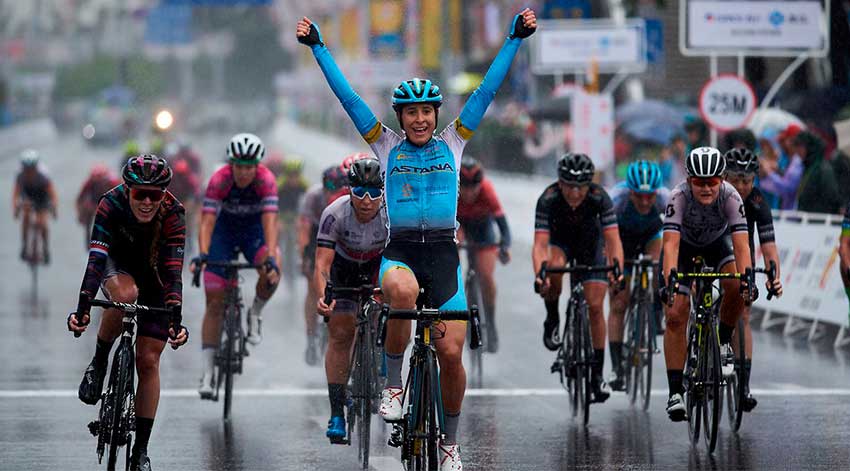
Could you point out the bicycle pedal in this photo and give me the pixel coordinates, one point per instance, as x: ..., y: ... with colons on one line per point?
x: 94, y: 427
x: 556, y: 367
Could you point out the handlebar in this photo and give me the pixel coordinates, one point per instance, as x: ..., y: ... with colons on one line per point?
x: 228, y: 265
x: 544, y: 270
x: 362, y: 290
x: 430, y: 316
x: 126, y: 307
x: 771, y: 277
x: 675, y: 278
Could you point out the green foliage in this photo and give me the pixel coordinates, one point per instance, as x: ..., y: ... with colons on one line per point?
x: 87, y: 79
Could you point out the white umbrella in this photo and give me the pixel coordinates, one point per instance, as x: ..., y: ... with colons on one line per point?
x: 772, y: 118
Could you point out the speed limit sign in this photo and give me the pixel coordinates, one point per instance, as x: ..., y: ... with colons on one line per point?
x: 726, y: 102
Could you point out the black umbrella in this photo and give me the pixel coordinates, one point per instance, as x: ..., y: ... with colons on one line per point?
x: 552, y: 109
x: 818, y: 104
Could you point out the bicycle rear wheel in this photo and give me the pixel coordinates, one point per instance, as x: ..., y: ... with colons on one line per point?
x: 713, y: 397
x: 735, y: 385
x: 433, y: 400
x: 473, y: 297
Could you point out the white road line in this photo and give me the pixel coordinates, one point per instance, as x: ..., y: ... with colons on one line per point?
x: 321, y: 392
x: 384, y: 463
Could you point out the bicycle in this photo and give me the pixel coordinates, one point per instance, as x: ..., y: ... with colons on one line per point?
x: 365, y: 388
x: 231, y: 350
x: 575, y: 357
x: 736, y: 391
x: 640, y: 343
x: 419, y: 430
x: 703, y: 377
x: 473, y: 297
x: 117, y: 416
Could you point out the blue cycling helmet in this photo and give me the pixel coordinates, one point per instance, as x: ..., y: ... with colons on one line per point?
x: 643, y: 176
x: 416, y: 90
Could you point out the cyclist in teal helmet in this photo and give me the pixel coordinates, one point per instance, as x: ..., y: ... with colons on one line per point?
x: 421, y: 168
x: 639, y: 203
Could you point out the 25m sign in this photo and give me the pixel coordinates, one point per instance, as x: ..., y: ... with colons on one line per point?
x: 727, y: 102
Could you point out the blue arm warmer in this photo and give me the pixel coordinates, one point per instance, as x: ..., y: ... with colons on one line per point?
x: 473, y: 110
x: 356, y: 108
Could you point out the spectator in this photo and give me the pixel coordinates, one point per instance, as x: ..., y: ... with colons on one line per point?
x: 769, y: 152
x: 696, y: 133
x: 786, y: 138
x: 785, y: 184
x: 818, y: 190
x: 740, y: 138
x: 672, y: 156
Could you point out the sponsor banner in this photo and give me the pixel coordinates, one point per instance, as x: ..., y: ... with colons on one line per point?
x: 593, y: 127
x: 754, y: 27
x: 811, y: 278
x: 563, y: 46
x: 386, y: 31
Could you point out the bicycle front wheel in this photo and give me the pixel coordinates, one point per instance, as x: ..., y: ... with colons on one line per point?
x: 713, y: 381
x: 630, y: 369
x: 228, y: 358
x: 473, y: 297
x: 694, y: 389
x: 584, y: 359
x: 363, y: 402
x: 647, y: 351
x: 119, y: 385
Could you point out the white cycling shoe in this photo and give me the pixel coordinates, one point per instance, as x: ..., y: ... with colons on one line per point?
x: 206, y: 387
x: 392, y: 409
x: 450, y: 458
x: 676, y: 408
x: 727, y: 360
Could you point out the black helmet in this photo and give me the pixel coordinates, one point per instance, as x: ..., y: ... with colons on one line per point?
x: 471, y: 172
x: 741, y: 161
x: 365, y: 172
x: 705, y: 162
x: 575, y: 168
x: 146, y: 169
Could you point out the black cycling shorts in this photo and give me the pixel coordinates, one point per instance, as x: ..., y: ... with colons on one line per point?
x: 153, y: 325
x: 348, y: 274
x: 594, y: 256
x: 436, y: 266
x: 714, y: 255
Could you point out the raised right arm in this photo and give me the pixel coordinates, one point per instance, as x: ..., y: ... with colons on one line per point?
x: 357, y: 109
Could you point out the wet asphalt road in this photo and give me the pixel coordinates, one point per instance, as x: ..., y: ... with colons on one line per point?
x: 519, y: 421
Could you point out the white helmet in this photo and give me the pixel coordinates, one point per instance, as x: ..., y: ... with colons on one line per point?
x: 705, y: 162
x: 29, y: 158
x: 246, y: 148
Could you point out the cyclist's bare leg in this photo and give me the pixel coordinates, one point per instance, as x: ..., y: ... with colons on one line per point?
x: 41, y: 225
x: 594, y: 293
x: 340, y: 337
x: 452, y: 373
x: 486, y: 265
x: 619, y: 303
x: 120, y: 288
x: 213, y: 317
x: 731, y: 305
x: 310, y: 316
x: 557, y: 258
x: 748, y: 333
x: 148, y: 351
x: 675, y: 336
x: 26, y: 215
x: 400, y: 289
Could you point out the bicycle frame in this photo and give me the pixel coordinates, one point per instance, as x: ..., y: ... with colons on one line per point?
x: 421, y: 428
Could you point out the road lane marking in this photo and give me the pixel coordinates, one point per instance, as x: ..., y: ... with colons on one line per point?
x: 792, y: 390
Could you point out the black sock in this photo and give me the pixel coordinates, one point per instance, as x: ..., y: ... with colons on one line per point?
x: 101, y: 352
x: 725, y: 332
x: 616, y: 349
x: 143, y: 434
x: 674, y: 380
x: 336, y: 394
x: 552, y: 315
x: 598, y: 361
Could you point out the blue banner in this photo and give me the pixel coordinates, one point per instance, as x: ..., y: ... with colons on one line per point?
x: 654, y: 41
x: 169, y: 25
x: 217, y: 3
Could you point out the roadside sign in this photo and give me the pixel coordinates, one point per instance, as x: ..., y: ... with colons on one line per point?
x: 566, y: 46
x: 592, y: 118
x: 779, y: 28
x: 727, y: 102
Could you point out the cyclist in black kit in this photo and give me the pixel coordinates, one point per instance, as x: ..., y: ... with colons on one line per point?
x: 574, y: 218
x: 742, y: 166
